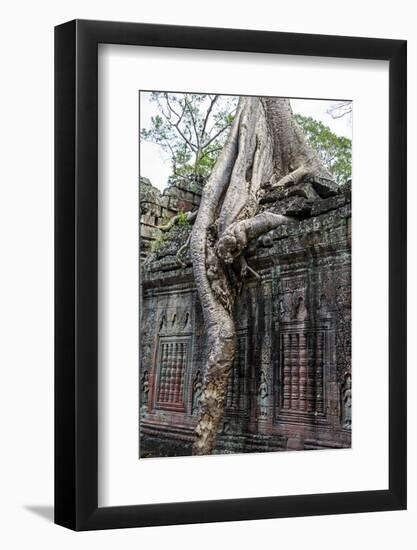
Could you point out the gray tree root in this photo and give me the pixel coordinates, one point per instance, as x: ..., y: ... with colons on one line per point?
x: 265, y: 148
x: 190, y: 217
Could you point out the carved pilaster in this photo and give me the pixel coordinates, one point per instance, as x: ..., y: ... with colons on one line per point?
x: 302, y: 361
x: 286, y: 381
x: 319, y: 372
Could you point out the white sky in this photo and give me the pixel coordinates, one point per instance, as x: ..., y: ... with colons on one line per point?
x: 156, y: 165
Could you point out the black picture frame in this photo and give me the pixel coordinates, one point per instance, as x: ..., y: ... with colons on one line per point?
x: 76, y: 272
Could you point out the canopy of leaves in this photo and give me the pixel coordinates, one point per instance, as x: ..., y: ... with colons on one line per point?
x: 191, y: 128
x: 334, y: 151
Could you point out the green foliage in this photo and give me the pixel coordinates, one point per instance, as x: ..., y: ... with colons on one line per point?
x: 182, y: 218
x: 334, y: 151
x: 191, y: 128
x: 161, y: 238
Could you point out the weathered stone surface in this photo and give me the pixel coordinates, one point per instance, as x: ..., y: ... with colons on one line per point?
x: 183, y: 194
x: 324, y: 187
x: 311, y: 197
x: 290, y: 384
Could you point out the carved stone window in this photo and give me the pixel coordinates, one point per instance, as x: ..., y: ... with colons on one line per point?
x: 171, y: 367
x: 303, y: 358
x: 237, y: 388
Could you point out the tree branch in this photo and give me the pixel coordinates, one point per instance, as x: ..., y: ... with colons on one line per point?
x: 190, y: 110
x: 216, y: 136
x: 213, y: 101
x: 179, y: 117
x: 176, y: 124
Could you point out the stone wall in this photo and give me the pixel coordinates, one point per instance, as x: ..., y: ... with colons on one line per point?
x: 290, y: 386
x: 183, y: 194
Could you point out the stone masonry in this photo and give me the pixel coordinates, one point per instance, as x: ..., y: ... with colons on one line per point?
x: 290, y: 388
x: 183, y: 194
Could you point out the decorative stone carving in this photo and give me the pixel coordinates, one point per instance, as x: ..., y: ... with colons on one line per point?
x: 162, y: 321
x: 236, y: 393
x: 144, y: 389
x: 197, y: 391
x: 323, y: 306
x: 293, y: 325
x: 302, y: 370
x: 285, y: 308
x: 225, y: 428
x: 263, y: 396
x: 301, y: 312
x: 346, y: 401
x: 171, y: 374
x: 185, y: 319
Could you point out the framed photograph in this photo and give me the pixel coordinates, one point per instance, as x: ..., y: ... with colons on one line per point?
x: 230, y: 244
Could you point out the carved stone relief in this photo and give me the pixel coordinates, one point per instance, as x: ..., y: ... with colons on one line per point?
x: 263, y: 392
x: 346, y: 402
x: 292, y: 371
x: 197, y: 391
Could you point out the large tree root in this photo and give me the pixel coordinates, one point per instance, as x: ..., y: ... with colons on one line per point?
x: 181, y: 250
x: 236, y: 238
x: 222, y: 347
x: 265, y: 147
x: 293, y: 177
x: 222, y: 335
x: 190, y: 218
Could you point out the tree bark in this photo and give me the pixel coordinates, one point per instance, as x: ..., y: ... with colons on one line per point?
x: 265, y: 148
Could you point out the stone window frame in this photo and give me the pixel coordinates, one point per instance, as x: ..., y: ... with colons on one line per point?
x: 180, y: 339
x: 321, y: 325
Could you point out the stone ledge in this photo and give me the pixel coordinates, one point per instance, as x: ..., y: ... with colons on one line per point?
x: 327, y: 231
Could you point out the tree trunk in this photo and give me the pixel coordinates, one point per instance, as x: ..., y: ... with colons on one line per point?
x: 265, y: 148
